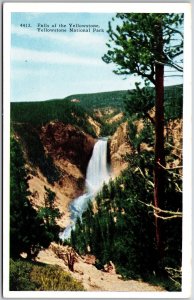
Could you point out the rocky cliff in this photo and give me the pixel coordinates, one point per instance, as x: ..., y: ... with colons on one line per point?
x: 119, y: 147
x: 66, y: 142
x: 70, y: 149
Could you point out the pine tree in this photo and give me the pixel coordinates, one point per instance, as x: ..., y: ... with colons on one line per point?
x: 49, y: 213
x: 28, y: 232
x: 142, y: 45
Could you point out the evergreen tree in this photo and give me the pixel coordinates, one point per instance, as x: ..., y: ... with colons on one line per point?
x: 28, y: 232
x: 122, y: 229
x: 49, y: 213
x: 140, y: 101
x: 143, y: 45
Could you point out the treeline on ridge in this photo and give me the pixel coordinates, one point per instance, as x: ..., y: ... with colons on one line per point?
x: 40, y: 112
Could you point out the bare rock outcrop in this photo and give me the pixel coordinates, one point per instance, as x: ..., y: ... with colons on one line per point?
x: 89, y: 259
x: 115, y: 118
x: 110, y: 268
x: 67, y: 142
x: 96, y: 125
x: 119, y: 147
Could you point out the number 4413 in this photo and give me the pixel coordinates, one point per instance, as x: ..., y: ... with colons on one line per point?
x: 25, y: 25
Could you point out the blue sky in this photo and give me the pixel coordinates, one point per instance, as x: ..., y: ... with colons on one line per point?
x: 48, y: 65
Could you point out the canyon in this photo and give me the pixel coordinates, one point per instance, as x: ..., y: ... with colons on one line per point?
x: 70, y: 149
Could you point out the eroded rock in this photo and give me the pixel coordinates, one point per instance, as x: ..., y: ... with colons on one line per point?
x: 119, y: 147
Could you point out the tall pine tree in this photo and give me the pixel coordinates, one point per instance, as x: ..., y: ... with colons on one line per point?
x: 142, y: 44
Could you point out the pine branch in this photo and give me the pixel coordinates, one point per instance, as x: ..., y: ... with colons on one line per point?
x: 176, y: 54
x: 175, y: 30
x: 170, y: 63
x: 173, y: 76
x: 175, y: 66
x: 174, y: 274
x: 179, y: 156
x: 178, y: 188
x: 173, y: 146
x: 141, y: 172
x: 144, y: 75
x: 166, y: 218
x: 169, y: 169
x: 173, y: 271
x: 150, y: 118
x: 157, y: 210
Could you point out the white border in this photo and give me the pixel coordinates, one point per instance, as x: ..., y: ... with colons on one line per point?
x: 108, y: 8
x: 97, y: 7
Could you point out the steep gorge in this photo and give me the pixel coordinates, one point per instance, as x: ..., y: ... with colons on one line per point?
x: 69, y: 149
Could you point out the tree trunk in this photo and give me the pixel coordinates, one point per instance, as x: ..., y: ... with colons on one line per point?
x: 159, y: 140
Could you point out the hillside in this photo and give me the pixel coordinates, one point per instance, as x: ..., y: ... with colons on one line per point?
x: 92, y: 278
x: 40, y: 112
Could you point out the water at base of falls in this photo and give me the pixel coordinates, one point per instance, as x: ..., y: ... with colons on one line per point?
x: 97, y: 173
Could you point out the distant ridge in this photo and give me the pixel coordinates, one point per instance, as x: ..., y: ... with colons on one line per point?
x: 40, y: 112
x: 96, y: 94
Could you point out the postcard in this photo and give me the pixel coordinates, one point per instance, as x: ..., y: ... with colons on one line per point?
x: 97, y: 150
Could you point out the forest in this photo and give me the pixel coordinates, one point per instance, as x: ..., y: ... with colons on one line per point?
x: 135, y: 221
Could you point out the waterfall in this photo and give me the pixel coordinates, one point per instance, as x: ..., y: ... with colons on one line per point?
x: 97, y: 173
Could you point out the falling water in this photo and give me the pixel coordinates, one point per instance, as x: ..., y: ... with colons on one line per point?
x: 97, y: 173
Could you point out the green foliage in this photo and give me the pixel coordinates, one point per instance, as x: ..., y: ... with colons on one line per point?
x: 28, y: 232
x: 20, y: 279
x: 27, y: 276
x: 53, y: 278
x: 134, y: 43
x: 122, y: 230
x: 146, y: 135
x: 109, y: 129
x: 39, y: 113
x: 36, y: 114
x: 93, y: 101
x: 168, y: 284
x: 49, y: 213
x: 173, y: 102
x: 22, y: 215
x: 140, y: 101
x: 172, y: 201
